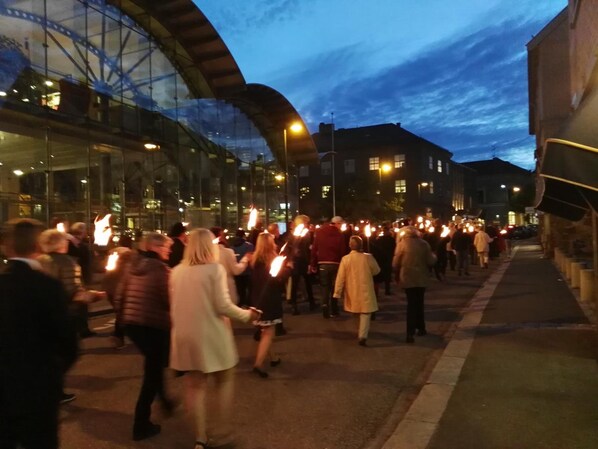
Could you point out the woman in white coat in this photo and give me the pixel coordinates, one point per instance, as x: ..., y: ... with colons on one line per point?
x: 355, y: 284
x: 202, y: 342
x: 482, y: 242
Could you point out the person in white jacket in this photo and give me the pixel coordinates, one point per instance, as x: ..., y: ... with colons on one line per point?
x: 202, y: 342
x: 481, y: 242
x: 228, y: 260
x: 355, y: 284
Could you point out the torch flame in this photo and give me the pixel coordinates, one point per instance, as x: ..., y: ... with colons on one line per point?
x: 431, y: 229
x: 252, y: 219
x: 112, y: 260
x: 60, y: 227
x: 445, y: 231
x: 298, y: 232
x: 504, y: 231
x: 283, y: 248
x: 343, y: 227
x: 215, y: 241
x: 368, y: 231
x: 276, y: 265
x: 420, y: 219
x: 421, y: 226
x: 470, y: 228
x: 102, y: 230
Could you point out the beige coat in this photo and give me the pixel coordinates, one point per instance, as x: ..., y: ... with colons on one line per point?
x: 355, y: 282
x: 482, y: 242
x: 202, y: 337
x: 413, y: 259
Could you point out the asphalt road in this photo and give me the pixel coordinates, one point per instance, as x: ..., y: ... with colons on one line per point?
x: 328, y: 393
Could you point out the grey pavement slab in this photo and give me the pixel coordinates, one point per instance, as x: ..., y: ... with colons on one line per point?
x: 531, y: 378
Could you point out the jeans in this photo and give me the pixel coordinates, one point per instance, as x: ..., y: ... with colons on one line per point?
x: 154, y: 345
x: 327, y: 272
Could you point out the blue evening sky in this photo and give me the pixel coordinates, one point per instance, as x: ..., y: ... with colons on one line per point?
x: 451, y: 71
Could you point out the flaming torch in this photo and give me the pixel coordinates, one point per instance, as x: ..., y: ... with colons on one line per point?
x: 112, y: 261
x: 300, y: 230
x: 102, y: 230
x: 60, y: 227
x: 445, y: 231
x: 252, y: 219
x: 276, y: 265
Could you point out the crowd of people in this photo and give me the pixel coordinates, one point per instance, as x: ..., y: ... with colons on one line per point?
x: 174, y: 296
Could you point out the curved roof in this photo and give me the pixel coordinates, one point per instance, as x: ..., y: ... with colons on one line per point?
x: 191, y: 43
x: 272, y: 113
x: 202, y: 58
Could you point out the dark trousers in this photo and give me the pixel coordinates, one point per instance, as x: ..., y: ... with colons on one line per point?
x: 35, y: 430
x: 243, y: 283
x: 300, y: 271
x: 154, y: 345
x: 415, y: 310
x: 327, y: 272
x: 452, y: 259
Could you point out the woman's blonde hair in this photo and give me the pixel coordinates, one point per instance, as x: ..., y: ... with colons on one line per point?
x: 200, y: 248
x: 355, y: 243
x: 52, y: 241
x: 265, y: 249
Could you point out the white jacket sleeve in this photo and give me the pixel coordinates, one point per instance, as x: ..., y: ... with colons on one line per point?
x: 221, y: 299
x: 339, y: 285
x: 230, y: 262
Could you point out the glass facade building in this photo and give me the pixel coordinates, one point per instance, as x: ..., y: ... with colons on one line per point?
x: 98, y: 115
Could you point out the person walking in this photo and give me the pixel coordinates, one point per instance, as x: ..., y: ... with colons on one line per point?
x: 56, y: 263
x: 461, y: 242
x: 383, y: 249
x: 266, y: 296
x: 241, y: 247
x: 202, y: 339
x: 299, y: 248
x: 355, y: 285
x: 79, y: 250
x: 327, y: 251
x: 482, y: 245
x: 37, y: 346
x: 178, y: 234
x: 228, y: 260
x: 142, y: 301
x: 412, y: 261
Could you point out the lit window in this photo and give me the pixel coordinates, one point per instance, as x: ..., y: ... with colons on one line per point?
x: 430, y: 162
x: 439, y: 166
x: 447, y: 168
x: 325, y: 191
x: 303, y: 192
x: 431, y: 187
x: 399, y: 160
x: 374, y: 163
x: 326, y: 168
x: 400, y: 186
x: 304, y: 171
x: 349, y: 165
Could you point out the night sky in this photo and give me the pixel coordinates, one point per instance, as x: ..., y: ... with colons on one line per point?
x: 453, y: 72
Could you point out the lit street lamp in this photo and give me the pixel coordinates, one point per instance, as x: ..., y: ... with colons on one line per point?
x: 295, y: 128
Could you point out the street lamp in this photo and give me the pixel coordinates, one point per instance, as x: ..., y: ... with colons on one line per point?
x: 295, y: 128
x: 384, y: 168
x: 322, y: 156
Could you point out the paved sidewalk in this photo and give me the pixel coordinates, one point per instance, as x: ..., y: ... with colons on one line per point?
x: 530, y: 379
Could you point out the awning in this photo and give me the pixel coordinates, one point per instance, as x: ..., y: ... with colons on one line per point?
x: 568, y: 181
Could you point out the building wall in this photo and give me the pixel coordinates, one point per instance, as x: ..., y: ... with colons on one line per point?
x: 370, y: 191
x: 583, y: 22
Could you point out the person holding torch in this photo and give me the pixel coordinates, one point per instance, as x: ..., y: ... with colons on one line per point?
x: 269, y: 273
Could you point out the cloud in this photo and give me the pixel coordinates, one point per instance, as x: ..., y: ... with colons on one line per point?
x: 468, y: 94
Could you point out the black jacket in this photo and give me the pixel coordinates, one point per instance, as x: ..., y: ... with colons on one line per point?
x: 37, y: 340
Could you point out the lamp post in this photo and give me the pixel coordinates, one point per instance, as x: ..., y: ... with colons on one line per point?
x: 295, y: 127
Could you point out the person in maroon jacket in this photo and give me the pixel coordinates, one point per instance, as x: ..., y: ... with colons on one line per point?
x: 328, y: 249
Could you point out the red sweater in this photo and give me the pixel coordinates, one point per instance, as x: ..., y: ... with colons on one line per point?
x: 329, y: 245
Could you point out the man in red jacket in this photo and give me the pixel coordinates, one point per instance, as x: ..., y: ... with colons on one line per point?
x: 328, y: 249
